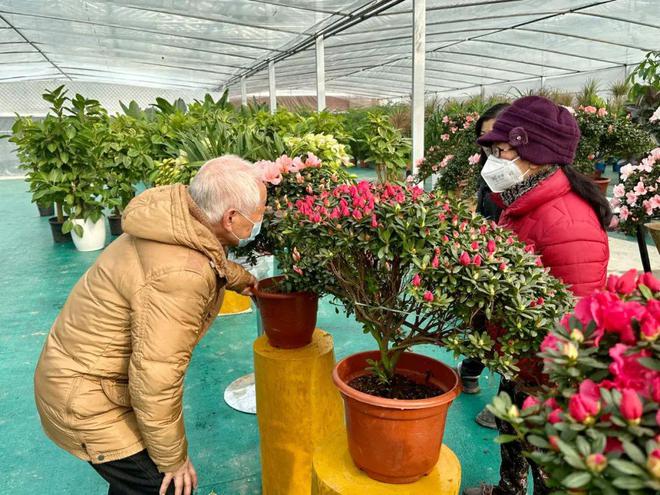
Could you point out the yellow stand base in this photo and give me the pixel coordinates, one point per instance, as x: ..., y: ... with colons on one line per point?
x: 335, y: 474
x: 235, y: 304
x: 297, y: 406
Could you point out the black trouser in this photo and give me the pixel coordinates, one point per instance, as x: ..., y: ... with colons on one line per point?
x: 514, y: 467
x: 134, y: 475
x: 471, y: 367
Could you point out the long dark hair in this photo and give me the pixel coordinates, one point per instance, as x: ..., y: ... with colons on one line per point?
x: 489, y: 114
x: 587, y: 189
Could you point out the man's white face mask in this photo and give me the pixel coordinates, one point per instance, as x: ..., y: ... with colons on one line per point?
x: 501, y: 174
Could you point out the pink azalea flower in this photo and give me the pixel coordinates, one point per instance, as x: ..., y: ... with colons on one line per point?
x: 619, y: 191
x: 628, y: 372
x: 602, y: 112
x: 474, y: 159
x: 445, y: 137
x: 374, y: 221
x: 650, y: 281
x: 477, y: 260
x: 271, y: 173
x: 312, y: 160
x: 631, y: 198
x: 454, y: 130
x: 640, y: 189
x: 582, y: 408
x: 445, y: 119
x: 624, y: 213
x: 284, y: 164
x: 590, y: 109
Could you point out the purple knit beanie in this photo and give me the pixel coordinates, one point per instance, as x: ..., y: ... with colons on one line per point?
x: 541, y: 132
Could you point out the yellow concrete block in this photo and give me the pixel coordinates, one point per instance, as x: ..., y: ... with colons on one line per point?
x: 297, y: 406
x: 235, y: 303
x: 335, y: 474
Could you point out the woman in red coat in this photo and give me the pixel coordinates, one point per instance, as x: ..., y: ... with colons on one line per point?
x: 555, y: 209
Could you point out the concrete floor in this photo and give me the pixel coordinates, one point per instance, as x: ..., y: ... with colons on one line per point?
x: 224, y: 445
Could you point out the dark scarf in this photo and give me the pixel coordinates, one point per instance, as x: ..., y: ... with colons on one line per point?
x: 527, y: 184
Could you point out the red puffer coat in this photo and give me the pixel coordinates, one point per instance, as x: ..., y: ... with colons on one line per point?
x: 564, y: 230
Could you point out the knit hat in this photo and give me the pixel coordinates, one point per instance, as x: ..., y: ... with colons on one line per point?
x: 541, y: 132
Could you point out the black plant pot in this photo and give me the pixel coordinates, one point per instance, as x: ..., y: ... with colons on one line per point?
x: 115, y: 224
x: 46, y: 211
x: 56, y: 229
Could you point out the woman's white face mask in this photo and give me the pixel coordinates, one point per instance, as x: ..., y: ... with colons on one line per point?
x: 501, y: 174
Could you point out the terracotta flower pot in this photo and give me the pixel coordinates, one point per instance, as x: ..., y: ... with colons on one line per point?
x: 602, y: 183
x: 396, y: 441
x: 288, y: 319
x: 654, y: 229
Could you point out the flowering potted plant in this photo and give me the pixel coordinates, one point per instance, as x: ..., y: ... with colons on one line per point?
x: 452, y: 160
x: 596, y: 429
x: 637, y: 196
x: 288, y: 306
x: 416, y: 268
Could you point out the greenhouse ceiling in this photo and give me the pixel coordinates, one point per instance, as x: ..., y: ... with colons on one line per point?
x: 471, y: 45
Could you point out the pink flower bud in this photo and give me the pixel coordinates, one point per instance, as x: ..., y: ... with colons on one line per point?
x: 631, y: 406
x: 491, y: 247
x: 436, y: 262
x: 417, y: 280
x: 464, y: 259
x: 477, y: 260
x: 653, y: 464
x: 474, y: 245
x: 596, y: 462
x: 530, y: 401
x: 553, y: 439
x: 428, y: 296
x: 555, y: 416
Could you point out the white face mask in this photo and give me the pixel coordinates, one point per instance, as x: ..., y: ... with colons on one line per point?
x: 501, y: 174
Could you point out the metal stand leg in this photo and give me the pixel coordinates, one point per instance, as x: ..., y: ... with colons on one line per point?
x: 643, y: 250
x: 241, y: 394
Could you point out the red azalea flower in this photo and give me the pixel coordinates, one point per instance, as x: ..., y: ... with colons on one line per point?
x: 590, y: 389
x: 582, y: 408
x: 655, y: 385
x: 649, y: 328
x: 628, y: 372
x: 551, y: 343
x: 553, y: 439
x: 650, y: 281
x: 626, y: 284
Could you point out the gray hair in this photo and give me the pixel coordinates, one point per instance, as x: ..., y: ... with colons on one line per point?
x: 226, y: 182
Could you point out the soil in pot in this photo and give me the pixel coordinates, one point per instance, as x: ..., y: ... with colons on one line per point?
x: 46, y: 211
x: 115, y: 225
x: 394, y: 440
x: 56, y: 229
x: 288, y: 319
x: 400, y: 387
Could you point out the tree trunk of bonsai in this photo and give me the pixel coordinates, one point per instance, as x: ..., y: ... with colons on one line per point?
x: 60, y: 212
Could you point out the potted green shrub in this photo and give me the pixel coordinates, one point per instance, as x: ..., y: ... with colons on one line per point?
x: 43, y: 151
x: 126, y: 160
x: 384, y: 147
x: 417, y: 268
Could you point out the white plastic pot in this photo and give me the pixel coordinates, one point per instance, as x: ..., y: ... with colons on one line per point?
x: 93, y: 237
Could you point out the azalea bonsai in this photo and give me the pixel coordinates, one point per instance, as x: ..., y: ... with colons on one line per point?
x: 417, y: 268
x: 596, y: 429
x: 637, y: 196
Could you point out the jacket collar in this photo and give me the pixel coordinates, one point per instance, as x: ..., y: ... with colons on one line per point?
x: 551, y: 188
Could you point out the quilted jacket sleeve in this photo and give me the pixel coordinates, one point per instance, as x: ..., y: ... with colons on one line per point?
x: 577, y: 253
x: 238, y: 278
x: 165, y: 329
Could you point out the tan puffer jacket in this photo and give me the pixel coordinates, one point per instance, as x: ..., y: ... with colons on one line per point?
x: 109, y: 382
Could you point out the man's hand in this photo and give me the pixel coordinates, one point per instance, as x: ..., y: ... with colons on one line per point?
x: 185, y: 480
x: 249, y: 290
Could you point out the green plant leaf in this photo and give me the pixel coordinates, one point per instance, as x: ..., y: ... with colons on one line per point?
x: 577, y: 480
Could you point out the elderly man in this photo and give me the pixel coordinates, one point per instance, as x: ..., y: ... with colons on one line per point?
x: 109, y: 382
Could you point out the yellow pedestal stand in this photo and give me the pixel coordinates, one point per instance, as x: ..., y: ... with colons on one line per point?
x: 297, y: 406
x: 335, y: 474
x: 235, y: 304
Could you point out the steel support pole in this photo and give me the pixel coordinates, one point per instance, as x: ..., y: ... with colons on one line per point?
x: 272, y: 91
x: 243, y: 91
x: 419, y: 63
x: 320, y: 74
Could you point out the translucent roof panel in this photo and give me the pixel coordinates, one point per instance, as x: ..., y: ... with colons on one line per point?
x: 472, y: 45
